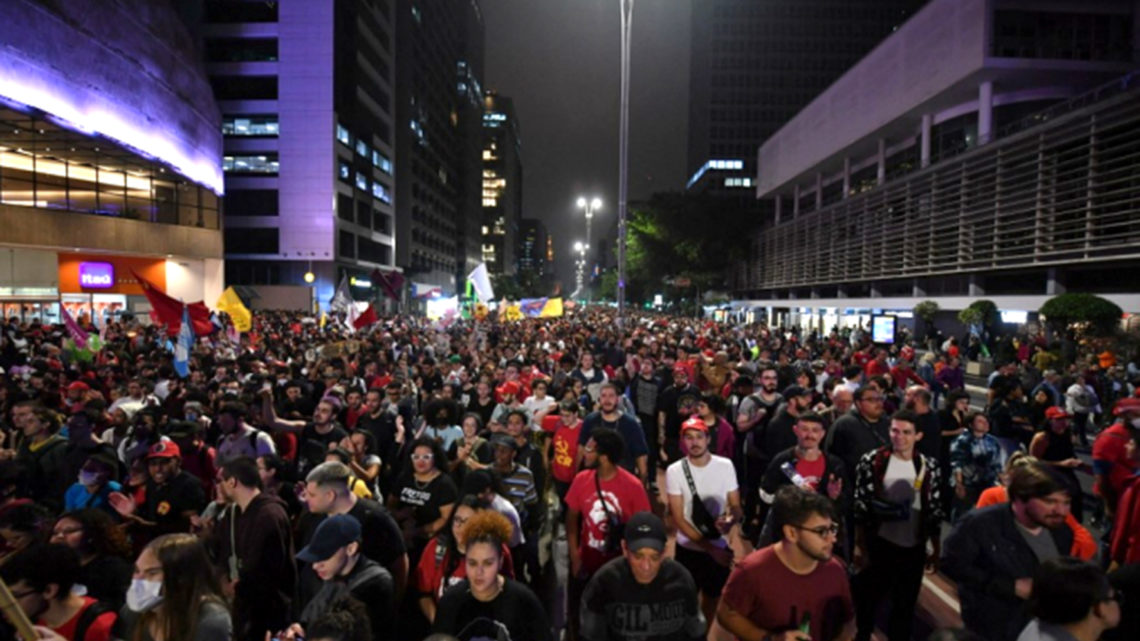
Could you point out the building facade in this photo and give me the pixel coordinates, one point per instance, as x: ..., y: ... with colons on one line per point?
x: 438, y: 134
x: 306, y: 95
x: 534, y: 246
x: 502, y: 184
x: 110, y: 161
x: 986, y: 149
x: 753, y: 65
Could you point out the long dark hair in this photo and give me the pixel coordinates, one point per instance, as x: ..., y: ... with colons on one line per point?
x: 188, y: 584
x: 447, y: 538
x: 101, y: 536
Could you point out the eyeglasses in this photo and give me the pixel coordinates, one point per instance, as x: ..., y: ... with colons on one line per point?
x: 459, y: 522
x: 421, y: 457
x: 823, y: 531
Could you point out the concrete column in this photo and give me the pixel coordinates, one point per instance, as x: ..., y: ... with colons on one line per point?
x: 977, y: 285
x: 779, y: 200
x: 796, y: 202
x: 846, y: 177
x: 985, y: 111
x: 882, y: 168
x: 876, y: 291
x: 927, y: 124
x: 818, y: 191
x: 841, y: 291
x: 815, y: 292
x: 917, y: 288
x: 1054, y: 282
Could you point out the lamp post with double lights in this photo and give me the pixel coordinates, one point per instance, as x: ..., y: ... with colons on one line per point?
x: 590, y: 205
x: 580, y: 264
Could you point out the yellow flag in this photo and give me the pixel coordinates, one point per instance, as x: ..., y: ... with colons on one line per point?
x: 230, y: 303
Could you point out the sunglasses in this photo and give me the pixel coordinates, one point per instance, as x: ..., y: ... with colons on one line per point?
x: 422, y: 457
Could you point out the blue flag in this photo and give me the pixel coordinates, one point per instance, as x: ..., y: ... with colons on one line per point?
x: 184, y: 345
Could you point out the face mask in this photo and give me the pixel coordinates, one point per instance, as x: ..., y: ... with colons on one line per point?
x: 143, y: 595
x: 88, y: 478
x: 1135, y: 423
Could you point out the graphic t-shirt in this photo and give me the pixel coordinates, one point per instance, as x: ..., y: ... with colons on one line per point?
x: 426, y: 499
x: 617, y: 607
x: 624, y: 496
x: 812, y: 471
x: 565, y: 449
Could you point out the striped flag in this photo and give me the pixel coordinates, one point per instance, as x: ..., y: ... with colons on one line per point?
x: 73, y: 328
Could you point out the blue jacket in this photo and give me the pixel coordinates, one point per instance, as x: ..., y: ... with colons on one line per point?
x: 985, y: 554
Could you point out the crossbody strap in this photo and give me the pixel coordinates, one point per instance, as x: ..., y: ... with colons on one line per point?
x: 689, y: 479
x: 598, y: 486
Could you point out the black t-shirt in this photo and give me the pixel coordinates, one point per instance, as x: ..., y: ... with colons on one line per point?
x: 167, y: 505
x: 426, y: 499
x: 616, y: 607
x: 313, y: 446
x: 515, y: 615
x: 383, y: 431
x: 484, y: 411
x: 672, y: 400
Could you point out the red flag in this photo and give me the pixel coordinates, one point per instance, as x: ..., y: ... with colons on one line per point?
x: 390, y: 282
x: 366, y: 319
x: 165, y: 310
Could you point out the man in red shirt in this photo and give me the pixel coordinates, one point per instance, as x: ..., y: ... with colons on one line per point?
x: 601, y: 497
x: 1111, y: 463
x: 1126, y: 529
x: 564, y: 448
x: 41, y: 580
x: 879, y: 366
x: 902, y: 374
x: 792, y: 590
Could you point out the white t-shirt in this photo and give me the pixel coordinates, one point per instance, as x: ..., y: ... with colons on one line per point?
x: 533, y: 406
x: 899, y: 487
x: 714, y: 481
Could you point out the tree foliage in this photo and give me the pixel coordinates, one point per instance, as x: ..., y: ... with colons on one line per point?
x: 690, y: 236
x: 983, y: 313
x: 1093, y: 314
x: 927, y: 310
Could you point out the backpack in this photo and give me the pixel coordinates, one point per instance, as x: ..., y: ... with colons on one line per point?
x: 87, y: 619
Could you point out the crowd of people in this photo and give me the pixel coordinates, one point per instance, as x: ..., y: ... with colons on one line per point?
x: 421, y: 478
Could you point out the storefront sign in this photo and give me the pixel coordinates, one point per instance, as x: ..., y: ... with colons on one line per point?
x: 96, y: 275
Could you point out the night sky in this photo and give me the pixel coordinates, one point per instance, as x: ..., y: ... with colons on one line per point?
x: 559, y: 61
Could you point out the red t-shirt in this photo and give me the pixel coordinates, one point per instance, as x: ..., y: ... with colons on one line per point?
x: 624, y: 496
x: 565, y: 449
x: 812, y: 471
x: 1108, y: 451
x: 774, y: 598
x: 875, y: 368
x: 99, y: 630
x: 429, y: 571
x: 1126, y: 529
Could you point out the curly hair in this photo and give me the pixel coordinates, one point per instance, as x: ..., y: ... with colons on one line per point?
x: 487, y: 526
x: 101, y: 536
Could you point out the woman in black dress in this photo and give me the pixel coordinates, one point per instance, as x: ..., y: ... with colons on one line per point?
x: 488, y: 605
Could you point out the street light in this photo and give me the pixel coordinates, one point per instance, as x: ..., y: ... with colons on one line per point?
x: 580, y: 266
x: 623, y: 154
x: 590, y: 206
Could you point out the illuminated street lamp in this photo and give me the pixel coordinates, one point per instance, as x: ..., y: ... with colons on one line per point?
x: 580, y: 264
x: 591, y: 206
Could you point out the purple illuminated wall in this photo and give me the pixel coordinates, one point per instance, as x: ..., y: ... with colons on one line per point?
x: 125, y: 69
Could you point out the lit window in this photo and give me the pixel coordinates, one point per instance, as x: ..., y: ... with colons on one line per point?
x: 381, y: 192
x: 361, y: 182
x: 344, y: 172
x: 249, y: 126
x: 342, y: 135
x: 381, y: 161
x: 266, y: 164
x: 361, y: 148
x: 486, y: 230
x: 490, y: 202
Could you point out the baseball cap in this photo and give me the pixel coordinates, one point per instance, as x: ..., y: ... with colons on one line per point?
x: 796, y: 390
x: 1126, y: 405
x: 78, y: 385
x: 1057, y: 412
x: 645, y: 530
x: 694, y: 423
x: 164, y: 449
x: 504, y: 440
x: 680, y: 369
x: 331, y: 535
x: 510, y: 387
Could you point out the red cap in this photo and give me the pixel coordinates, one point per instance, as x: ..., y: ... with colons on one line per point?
x: 78, y: 385
x: 694, y: 423
x: 510, y: 387
x: 907, y: 353
x: 1126, y: 405
x: 1057, y: 412
x: 681, y: 369
x: 164, y: 449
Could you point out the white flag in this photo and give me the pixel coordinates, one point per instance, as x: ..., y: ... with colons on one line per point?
x: 482, y: 283
x: 342, y: 298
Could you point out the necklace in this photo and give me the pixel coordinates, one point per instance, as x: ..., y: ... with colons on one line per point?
x: 425, y: 484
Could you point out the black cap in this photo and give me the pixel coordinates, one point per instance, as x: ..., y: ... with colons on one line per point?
x: 504, y: 440
x: 477, y: 481
x: 645, y: 530
x: 331, y: 535
x: 796, y: 390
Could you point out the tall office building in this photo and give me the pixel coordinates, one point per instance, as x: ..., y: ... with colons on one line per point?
x: 439, y: 69
x: 502, y: 184
x: 534, y: 244
x: 306, y: 95
x: 753, y: 65
x: 110, y: 161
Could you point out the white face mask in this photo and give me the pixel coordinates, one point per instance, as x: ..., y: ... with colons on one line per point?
x: 1135, y: 423
x: 143, y: 595
x: 88, y: 478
